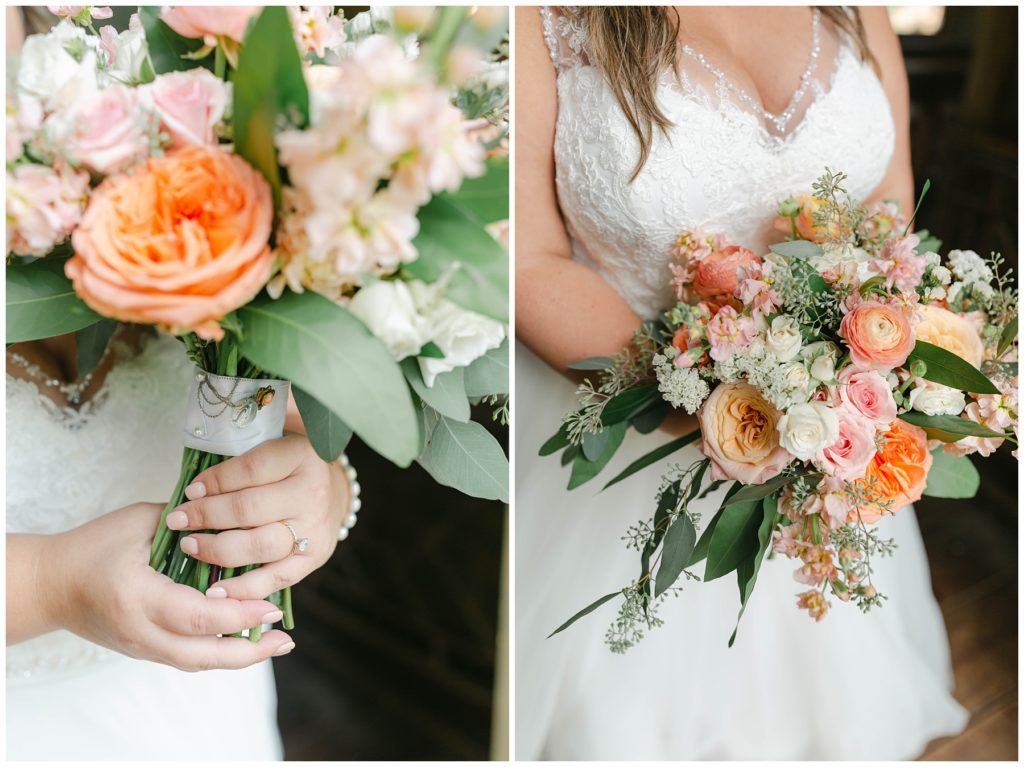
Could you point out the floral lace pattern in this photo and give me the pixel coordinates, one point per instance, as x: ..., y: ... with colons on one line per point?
x: 66, y: 467
x: 718, y: 168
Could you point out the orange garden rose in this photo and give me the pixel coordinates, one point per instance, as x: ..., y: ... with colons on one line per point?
x: 179, y: 242
x: 716, y: 276
x: 951, y: 332
x: 898, y: 472
x: 879, y: 336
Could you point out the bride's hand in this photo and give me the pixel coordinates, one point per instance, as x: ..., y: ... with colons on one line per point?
x: 98, y: 583
x: 248, y: 497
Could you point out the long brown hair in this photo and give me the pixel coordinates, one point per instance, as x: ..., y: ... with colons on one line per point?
x: 633, y: 45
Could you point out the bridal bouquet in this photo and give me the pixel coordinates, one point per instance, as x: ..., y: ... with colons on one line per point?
x: 835, y: 379
x: 307, y: 201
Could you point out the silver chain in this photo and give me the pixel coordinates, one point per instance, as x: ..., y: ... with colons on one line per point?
x: 780, y: 120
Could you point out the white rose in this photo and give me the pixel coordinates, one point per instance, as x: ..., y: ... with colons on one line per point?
x: 796, y: 376
x: 784, y: 338
x: 935, y: 399
x: 462, y: 335
x: 58, y: 64
x: 808, y: 428
x: 126, y: 53
x: 823, y: 356
x: 388, y: 310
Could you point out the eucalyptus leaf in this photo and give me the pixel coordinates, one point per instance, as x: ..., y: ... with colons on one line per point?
x: 648, y: 420
x: 951, y: 476
x: 556, y: 442
x: 592, y: 363
x: 797, y: 249
x: 594, y: 443
x: 91, y: 344
x: 676, y: 552
x: 324, y: 349
x: 489, y: 374
x: 486, y: 197
x: 328, y: 434
x: 446, y: 396
x: 655, y: 455
x: 954, y: 427
x: 584, y: 470
x: 948, y: 369
x: 734, y: 539
x: 41, y: 302
x: 464, y: 456
x: 629, y: 403
x: 449, y: 235
x: 585, y: 611
x: 929, y: 243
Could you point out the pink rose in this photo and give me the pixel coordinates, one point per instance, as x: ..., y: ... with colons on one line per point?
x: 867, y: 392
x: 847, y: 458
x: 210, y: 22
x: 189, y: 105
x: 739, y: 434
x: 879, y: 336
x: 105, y: 131
x: 44, y: 205
x: 716, y: 276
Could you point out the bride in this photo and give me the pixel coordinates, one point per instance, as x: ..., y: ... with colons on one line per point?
x: 633, y: 124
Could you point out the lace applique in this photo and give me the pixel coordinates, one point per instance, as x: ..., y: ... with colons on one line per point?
x: 565, y: 36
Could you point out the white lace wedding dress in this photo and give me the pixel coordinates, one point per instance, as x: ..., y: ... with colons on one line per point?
x: 66, y: 697
x: 854, y: 686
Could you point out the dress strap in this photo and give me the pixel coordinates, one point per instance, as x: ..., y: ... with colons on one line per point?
x: 565, y: 35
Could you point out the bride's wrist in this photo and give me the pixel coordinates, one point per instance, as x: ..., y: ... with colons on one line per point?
x: 53, y: 580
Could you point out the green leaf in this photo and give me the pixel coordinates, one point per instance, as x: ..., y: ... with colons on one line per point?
x: 953, y: 427
x: 486, y: 197
x: 1008, y: 336
x: 570, y: 453
x: 929, y: 243
x: 648, y: 420
x: 557, y: 442
x: 448, y: 394
x: 797, y: 249
x: 594, y: 443
x: 328, y: 352
x: 756, y: 492
x: 267, y: 84
x: 735, y: 538
x: 655, y: 455
x: 166, y: 47
x: 585, y: 611
x: 450, y: 235
x: 41, y: 302
x: 584, y: 470
x: 951, y: 476
x: 328, y: 434
x: 489, y: 374
x: 715, y: 484
x: 464, y: 456
x: 629, y: 403
x: 431, y: 351
x: 592, y: 363
x: 91, y: 344
x: 948, y: 369
x: 700, y: 551
x: 747, y: 571
x: 666, y: 504
x: 675, y: 553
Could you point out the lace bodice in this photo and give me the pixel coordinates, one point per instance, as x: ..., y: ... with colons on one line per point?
x: 66, y: 467
x: 722, y: 166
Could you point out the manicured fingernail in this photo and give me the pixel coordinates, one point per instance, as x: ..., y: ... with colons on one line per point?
x: 195, y: 490
x: 189, y: 546
x: 284, y: 649
x: 177, y: 520
x: 272, y: 617
x: 216, y: 592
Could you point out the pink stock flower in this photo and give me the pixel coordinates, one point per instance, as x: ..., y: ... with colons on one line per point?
x: 75, y: 12
x: 189, y: 105
x: 815, y: 604
x: 316, y: 28
x: 818, y: 566
x: 997, y: 412
x: 900, y: 263
x: 727, y: 331
x: 848, y: 456
x: 868, y: 393
x: 44, y: 205
x: 210, y: 22
x: 756, y: 288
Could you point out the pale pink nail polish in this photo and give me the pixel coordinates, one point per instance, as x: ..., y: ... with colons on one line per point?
x: 177, y: 520
x: 189, y: 546
x: 195, y: 491
x: 284, y: 649
x: 272, y: 617
x: 216, y: 592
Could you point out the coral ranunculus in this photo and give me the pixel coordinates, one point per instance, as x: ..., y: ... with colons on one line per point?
x: 898, y: 472
x: 179, y: 242
x: 879, y: 336
x: 716, y: 276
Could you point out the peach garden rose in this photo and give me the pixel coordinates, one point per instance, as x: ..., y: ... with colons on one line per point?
x: 179, y: 242
x: 951, y: 332
x: 740, y: 436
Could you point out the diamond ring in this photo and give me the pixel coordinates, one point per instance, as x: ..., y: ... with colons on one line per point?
x: 299, y: 545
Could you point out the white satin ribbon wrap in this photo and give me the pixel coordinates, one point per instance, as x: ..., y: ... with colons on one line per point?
x: 221, y: 434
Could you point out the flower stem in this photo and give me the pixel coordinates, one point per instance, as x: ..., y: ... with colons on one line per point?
x: 161, y: 540
x: 286, y: 607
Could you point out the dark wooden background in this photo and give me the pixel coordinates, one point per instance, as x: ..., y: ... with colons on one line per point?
x: 963, y: 85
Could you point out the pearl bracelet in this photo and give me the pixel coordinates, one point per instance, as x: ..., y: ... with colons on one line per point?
x: 353, y: 491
